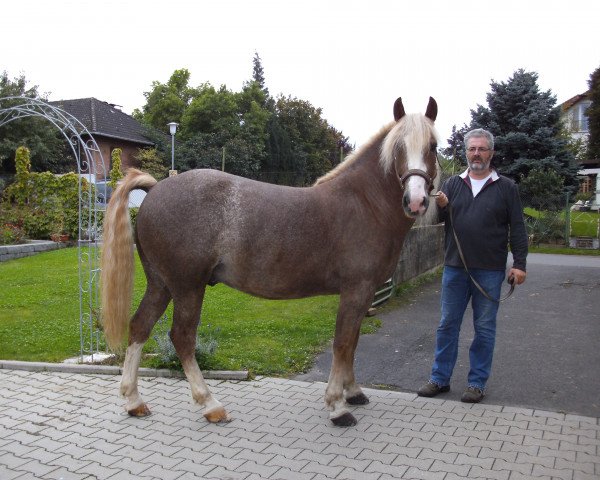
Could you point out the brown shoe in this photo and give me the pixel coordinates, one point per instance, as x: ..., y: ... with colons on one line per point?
x: 472, y: 395
x: 431, y: 389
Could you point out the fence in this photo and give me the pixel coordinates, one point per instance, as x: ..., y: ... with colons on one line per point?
x: 556, y: 220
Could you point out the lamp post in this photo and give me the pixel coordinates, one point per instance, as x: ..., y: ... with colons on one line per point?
x: 172, y: 130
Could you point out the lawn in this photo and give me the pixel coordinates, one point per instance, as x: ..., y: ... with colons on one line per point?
x: 39, y: 320
x: 583, y: 224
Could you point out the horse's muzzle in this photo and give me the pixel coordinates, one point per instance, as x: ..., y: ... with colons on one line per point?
x: 413, y: 207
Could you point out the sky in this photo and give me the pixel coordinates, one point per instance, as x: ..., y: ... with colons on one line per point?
x: 350, y: 58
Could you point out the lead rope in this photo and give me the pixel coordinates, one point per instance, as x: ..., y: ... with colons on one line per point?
x: 511, y: 280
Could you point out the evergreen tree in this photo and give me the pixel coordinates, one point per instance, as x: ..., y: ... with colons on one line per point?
x: 527, y: 129
x: 593, y: 114
x: 116, y: 173
x: 258, y: 74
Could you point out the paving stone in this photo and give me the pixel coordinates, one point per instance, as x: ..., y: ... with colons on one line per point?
x: 71, y: 425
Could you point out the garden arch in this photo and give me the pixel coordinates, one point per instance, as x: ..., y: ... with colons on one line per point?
x: 89, y: 162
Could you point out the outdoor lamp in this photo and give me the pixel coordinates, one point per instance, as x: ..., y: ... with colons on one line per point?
x: 172, y: 130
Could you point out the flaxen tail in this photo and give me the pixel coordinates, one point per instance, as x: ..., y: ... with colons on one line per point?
x: 116, y: 261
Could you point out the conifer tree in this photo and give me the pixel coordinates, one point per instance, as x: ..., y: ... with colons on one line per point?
x: 527, y: 129
x: 593, y: 114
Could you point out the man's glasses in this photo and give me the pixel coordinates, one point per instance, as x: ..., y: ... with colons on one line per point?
x: 478, y: 149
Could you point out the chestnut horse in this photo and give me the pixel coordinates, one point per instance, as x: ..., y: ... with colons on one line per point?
x: 342, y: 235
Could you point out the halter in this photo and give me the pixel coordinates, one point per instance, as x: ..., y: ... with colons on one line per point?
x: 419, y: 173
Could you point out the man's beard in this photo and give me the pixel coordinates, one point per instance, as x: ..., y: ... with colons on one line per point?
x: 479, y: 167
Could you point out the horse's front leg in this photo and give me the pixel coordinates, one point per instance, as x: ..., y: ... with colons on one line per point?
x: 353, y: 306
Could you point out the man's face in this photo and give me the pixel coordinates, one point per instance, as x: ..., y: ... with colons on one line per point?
x: 479, y: 154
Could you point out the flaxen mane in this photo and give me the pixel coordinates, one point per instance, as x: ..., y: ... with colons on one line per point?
x: 392, y: 135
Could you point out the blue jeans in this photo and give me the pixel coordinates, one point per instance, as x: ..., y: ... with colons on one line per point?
x: 457, y: 290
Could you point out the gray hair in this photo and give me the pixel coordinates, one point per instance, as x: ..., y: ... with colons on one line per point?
x: 480, y: 132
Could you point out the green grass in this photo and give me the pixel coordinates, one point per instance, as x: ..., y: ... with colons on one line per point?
x: 562, y: 250
x: 583, y: 224
x: 39, y: 320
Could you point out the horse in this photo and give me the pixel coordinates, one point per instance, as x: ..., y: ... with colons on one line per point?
x: 343, y: 235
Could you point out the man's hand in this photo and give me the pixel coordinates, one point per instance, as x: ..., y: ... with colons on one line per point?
x: 519, y: 276
x: 441, y: 199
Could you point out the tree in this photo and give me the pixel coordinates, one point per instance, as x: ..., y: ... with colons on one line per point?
x: 456, y: 143
x: 527, y: 129
x: 542, y: 190
x: 211, y: 111
x: 46, y: 144
x: 152, y: 162
x: 116, y: 173
x: 262, y: 138
x: 593, y: 114
x: 314, y: 144
x: 167, y: 102
x: 258, y: 74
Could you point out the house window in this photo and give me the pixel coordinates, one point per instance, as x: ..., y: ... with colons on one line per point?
x: 582, y: 117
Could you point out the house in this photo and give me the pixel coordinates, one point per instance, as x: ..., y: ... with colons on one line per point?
x: 574, y: 116
x: 111, y: 128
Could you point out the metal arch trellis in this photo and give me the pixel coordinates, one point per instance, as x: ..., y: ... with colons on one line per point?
x: 84, y: 148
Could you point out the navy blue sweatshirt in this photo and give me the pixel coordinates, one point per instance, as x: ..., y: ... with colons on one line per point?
x: 485, y: 224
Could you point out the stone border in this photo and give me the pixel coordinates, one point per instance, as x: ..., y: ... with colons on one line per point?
x: 11, y: 252
x: 115, y: 370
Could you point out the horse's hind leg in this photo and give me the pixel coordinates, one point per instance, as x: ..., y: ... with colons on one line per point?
x: 186, y: 317
x: 353, y: 306
x: 153, y: 305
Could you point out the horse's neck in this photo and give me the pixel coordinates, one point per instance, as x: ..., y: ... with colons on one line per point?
x: 378, y: 192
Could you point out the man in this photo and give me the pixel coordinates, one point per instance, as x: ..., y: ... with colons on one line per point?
x: 485, y: 211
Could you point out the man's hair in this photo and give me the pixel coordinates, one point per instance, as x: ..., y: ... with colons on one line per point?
x: 480, y: 132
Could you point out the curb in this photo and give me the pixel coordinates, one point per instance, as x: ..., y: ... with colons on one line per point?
x: 113, y: 370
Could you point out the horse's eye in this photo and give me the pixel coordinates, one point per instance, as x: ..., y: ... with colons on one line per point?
x: 433, y: 148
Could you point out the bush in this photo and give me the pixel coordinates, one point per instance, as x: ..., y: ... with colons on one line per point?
x: 11, y: 234
x: 42, y: 204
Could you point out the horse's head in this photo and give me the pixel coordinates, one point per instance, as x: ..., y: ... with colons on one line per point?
x: 409, y: 152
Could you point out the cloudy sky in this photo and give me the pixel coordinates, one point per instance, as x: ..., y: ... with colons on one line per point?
x: 350, y: 58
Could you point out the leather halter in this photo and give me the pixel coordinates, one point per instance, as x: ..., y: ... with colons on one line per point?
x: 420, y: 173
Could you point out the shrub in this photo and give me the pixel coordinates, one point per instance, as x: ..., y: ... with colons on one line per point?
x: 11, y: 234
x: 42, y: 203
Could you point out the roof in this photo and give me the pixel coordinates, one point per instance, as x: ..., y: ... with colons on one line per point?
x: 574, y: 100
x: 104, y: 119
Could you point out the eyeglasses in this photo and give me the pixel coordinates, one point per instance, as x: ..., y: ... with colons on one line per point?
x: 478, y: 149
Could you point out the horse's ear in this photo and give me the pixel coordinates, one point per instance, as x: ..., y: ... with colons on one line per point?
x: 398, y: 109
x: 431, y: 111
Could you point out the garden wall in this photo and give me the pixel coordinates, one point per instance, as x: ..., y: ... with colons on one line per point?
x: 423, y: 251
x: 10, y: 252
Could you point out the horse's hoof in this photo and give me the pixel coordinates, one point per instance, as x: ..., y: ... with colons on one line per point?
x: 344, y: 420
x: 140, y: 411
x: 360, y: 399
x: 217, y: 415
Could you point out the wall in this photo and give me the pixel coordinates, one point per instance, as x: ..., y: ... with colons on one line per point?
x: 106, y: 146
x: 423, y: 251
x: 10, y: 252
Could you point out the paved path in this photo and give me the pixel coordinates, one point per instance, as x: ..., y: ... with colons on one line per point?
x: 547, y: 350
x: 67, y: 426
